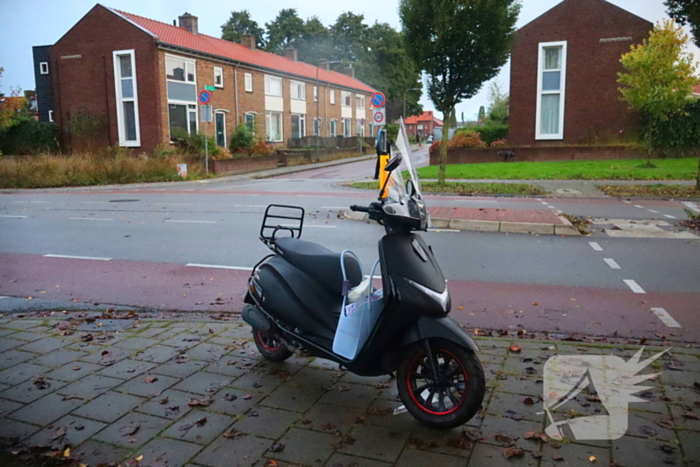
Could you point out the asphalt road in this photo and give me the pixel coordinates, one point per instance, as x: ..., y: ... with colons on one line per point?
x: 189, y: 246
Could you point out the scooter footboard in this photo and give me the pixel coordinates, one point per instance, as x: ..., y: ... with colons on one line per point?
x: 443, y: 327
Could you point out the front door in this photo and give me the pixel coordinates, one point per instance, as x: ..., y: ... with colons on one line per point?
x: 221, y: 129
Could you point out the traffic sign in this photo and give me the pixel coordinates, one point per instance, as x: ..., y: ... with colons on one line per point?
x: 204, y: 97
x: 379, y: 116
x: 378, y: 100
x: 206, y: 112
x: 209, y: 88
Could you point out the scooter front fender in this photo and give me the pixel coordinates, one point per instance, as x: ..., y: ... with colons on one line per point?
x: 443, y: 327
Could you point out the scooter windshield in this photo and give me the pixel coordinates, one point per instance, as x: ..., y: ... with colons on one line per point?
x: 396, y: 186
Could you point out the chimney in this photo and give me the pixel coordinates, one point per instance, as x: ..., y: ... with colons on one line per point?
x: 350, y: 71
x: 291, y: 53
x: 248, y: 40
x: 325, y: 64
x: 189, y: 23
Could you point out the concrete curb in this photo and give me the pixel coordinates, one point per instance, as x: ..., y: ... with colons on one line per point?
x: 566, y: 228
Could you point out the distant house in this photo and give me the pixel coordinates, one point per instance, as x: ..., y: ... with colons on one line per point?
x: 422, y: 125
x: 140, y: 79
x: 563, y: 82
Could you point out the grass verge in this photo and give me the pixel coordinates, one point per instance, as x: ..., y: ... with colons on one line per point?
x: 83, y: 170
x: 468, y: 189
x: 631, y: 169
x: 670, y: 191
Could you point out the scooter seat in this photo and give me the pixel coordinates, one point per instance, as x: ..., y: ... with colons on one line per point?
x: 320, y: 263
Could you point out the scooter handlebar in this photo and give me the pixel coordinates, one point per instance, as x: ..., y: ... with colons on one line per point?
x: 356, y: 208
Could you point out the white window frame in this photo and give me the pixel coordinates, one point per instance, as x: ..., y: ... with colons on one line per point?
x: 270, y: 78
x: 315, y: 93
x: 222, y: 112
x: 333, y: 127
x: 347, y: 128
x: 51, y: 116
x: 248, y: 79
x: 218, y: 72
x: 332, y: 97
x: 255, y: 120
x: 302, y: 124
x: 317, y: 126
x: 188, y: 110
x: 44, y: 68
x: 297, y: 90
x: 120, y: 100
x: 268, y: 118
x: 346, y: 97
x: 360, y: 101
x: 185, y: 61
x: 562, y: 91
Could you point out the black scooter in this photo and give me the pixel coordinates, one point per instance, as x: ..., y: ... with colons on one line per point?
x: 296, y: 294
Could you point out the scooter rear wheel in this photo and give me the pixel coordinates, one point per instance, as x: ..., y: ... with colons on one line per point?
x: 452, y: 398
x: 270, y: 347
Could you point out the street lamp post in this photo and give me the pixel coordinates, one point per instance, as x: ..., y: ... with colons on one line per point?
x: 318, y: 101
x: 404, y: 100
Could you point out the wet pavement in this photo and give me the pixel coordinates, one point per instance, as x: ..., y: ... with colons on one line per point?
x: 192, y: 392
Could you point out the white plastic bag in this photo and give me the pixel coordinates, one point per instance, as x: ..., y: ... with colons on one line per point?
x: 357, y: 321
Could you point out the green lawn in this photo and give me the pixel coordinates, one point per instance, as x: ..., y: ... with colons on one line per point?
x: 468, y: 189
x: 666, y: 169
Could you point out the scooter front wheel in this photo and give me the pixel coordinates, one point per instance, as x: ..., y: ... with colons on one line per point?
x: 441, y: 383
x: 270, y: 347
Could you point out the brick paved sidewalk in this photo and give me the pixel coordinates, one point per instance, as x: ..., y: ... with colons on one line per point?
x: 195, y: 393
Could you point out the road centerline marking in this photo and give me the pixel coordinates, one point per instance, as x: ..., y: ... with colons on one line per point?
x: 666, y: 318
x: 669, y: 217
x: 638, y: 206
x: 612, y: 263
x: 94, y: 258
x: 634, y: 286
x: 8, y: 216
x: 191, y: 222
x: 218, y: 266
x: 595, y: 246
x: 651, y: 210
x: 90, y: 219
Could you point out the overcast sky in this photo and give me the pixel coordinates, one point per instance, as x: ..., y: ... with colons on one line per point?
x: 41, y: 22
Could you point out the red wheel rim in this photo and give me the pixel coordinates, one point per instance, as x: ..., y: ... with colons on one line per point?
x: 452, y: 377
x: 268, y: 343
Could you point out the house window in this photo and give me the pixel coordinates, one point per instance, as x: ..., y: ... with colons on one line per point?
x: 347, y: 127
x: 218, y: 77
x: 180, y: 69
x: 360, y: 102
x: 298, y: 90
x: 360, y: 128
x: 127, y: 98
x: 551, y: 87
x: 317, y: 126
x: 315, y: 93
x: 346, y: 98
x: 333, y: 123
x: 183, y: 120
x: 273, y: 86
x: 51, y: 115
x: 44, y: 68
x: 298, y: 125
x: 250, y: 120
x: 332, y: 97
x: 273, y: 126
x: 248, y: 82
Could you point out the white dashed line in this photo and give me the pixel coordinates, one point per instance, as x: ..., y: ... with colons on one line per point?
x: 443, y: 230
x: 312, y: 226
x: 90, y: 219
x: 669, y: 217
x: 627, y: 202
x: 634, y: 286
x: 651, y: 210
x: 551, y: 207
x: 665, y: 317
x: 219, y: 266
x: 595, y: 246
x: 77, y: 257
x: 192, y: 222
x: 638, y: 206
x: 611, y: 262
x: 545, y: 203
x: 174, y: 204
x: 31, y: 202
x: 3, y: 297
x: 13, y: 217
x: 693, y: 206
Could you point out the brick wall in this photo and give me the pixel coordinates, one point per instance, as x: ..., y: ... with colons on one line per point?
x: 593, y: 110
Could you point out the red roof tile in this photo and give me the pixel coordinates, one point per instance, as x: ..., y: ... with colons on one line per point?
x: 173, y: 35
x: 697, y: 89
x: 424, y: 117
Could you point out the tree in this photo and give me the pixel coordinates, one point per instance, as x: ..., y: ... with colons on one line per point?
x: 459, y: 44
x: 241, y: 23
x: 481, y: 116
x: 286, y: 30
x: 498, y: 105
x: 686, y: 12
x: 350, y: 35
x: 659, y: 77
x: 315, y: 43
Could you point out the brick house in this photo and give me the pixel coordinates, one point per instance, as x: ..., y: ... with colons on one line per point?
x: 563, y: 82
x: 140, y: 79
x: 422, y: 125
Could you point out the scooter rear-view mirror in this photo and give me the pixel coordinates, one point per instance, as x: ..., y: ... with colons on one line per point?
x: 394, y: 163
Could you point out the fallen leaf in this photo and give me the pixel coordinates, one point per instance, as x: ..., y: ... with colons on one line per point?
x: 164, y: 401
x: 505, y: 440
x: 535, y: 303
x: 592, y: 459
x: 513, y: 452
x: 535, y: 434
x: 691, y: 415
x: 514, y: 349
x: 151, y: 379
x: 277, y: 447
x: 557, y: 457
x: 206, y: 402
x: 201, y: 422
x: 230, y: 397
x: 247, y: 397
x: 271, y: 463
x: 66, y: 453
x: 528, y: 401
x: 232, y: 434
x: 665, y: 424
x: 140, y: 458
x: 666, y: 448
x: 86, y: 338
x: 59, y: 432
x: 129, y: 429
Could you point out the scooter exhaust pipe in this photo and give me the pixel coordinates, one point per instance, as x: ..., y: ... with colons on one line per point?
x: 253, y: 316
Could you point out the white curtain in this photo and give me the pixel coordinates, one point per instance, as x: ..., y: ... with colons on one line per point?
x: 549, y: 118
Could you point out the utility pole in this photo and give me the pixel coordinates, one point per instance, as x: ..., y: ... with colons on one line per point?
x: 404, y: 100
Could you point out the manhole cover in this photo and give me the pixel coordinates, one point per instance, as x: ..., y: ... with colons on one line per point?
x: 106, y: 325
x: 123, y: 200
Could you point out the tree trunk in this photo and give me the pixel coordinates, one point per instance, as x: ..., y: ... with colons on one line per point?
x: 443, y: 145
x: 697, y: 182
